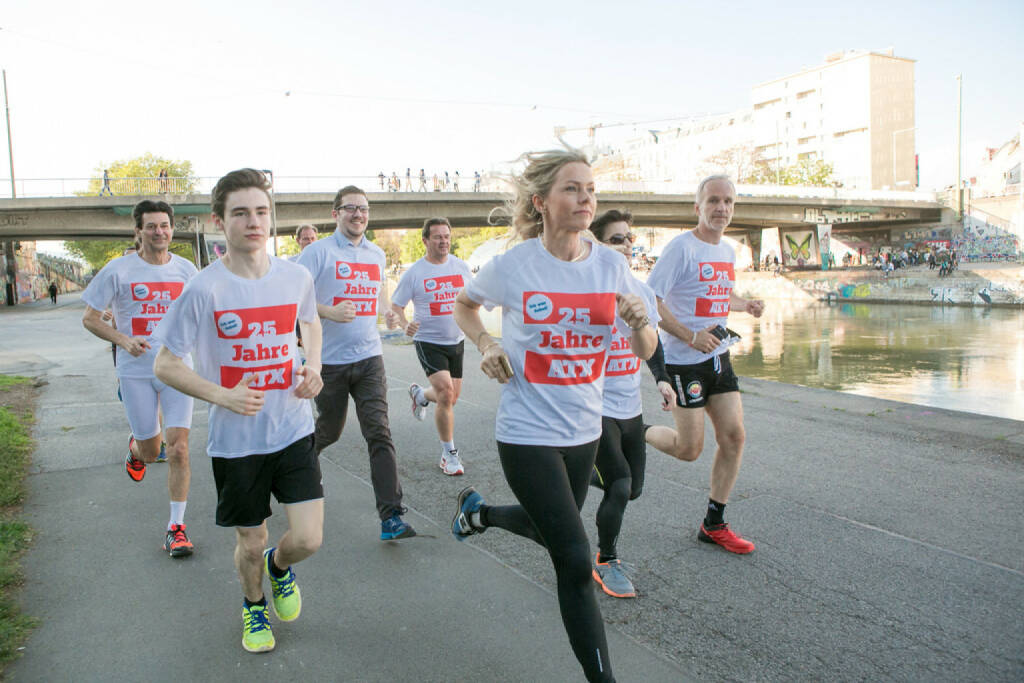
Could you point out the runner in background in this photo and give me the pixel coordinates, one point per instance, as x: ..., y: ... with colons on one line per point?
x: 139, y: 288
x: 432, y: 283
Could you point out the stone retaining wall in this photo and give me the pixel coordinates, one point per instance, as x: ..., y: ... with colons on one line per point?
x: 978, y: 287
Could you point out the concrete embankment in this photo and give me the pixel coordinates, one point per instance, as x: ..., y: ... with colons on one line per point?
x: 970, y: 285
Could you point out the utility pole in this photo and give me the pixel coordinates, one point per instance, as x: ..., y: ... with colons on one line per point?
x: 11, y: 263
x: 959, y: 145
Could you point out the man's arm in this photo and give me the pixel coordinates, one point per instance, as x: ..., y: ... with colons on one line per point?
x: 312, y: 343
x: 172, y: 371
x: 754, y: 307
x: 702, y: 340
x: 342, y: 312
x: 92, y: 320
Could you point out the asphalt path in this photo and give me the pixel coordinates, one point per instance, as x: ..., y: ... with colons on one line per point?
x: 888, y: 548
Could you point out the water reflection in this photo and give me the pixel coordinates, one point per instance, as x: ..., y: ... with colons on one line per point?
x: 961, y: 358
x: 969, y: 359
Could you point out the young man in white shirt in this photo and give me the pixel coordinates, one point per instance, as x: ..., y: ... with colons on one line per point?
x: 432, y: 283
x: 139, y: 287
x: 693, y: 280
x: 240, y: 314
x: 348, y: 272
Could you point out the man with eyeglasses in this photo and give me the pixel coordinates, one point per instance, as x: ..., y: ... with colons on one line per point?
x: 348, y: 273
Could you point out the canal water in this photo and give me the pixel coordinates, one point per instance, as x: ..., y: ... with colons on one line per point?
x: 961, y: 358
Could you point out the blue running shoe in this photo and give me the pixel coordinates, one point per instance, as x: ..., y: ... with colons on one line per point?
x: 163, y: 452
x: 469, y: 502
x: 393, y: 528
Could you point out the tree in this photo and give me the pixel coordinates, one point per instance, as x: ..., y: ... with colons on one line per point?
x: 412, y: 246
x: 466, y: 240
x: 808, y: 172
x: 140, y: 176
x: 740, y: 162
x: 97, y: 253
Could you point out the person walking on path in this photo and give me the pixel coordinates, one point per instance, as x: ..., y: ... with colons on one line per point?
x: 561, y: 296
x: 348, y: 273
x: 52, y: 289
x: 106, y: 184
x: 423, y: 181
x: 140, y: 287
x: 694, y: 280
x: 240, y: 314
x: 432, y: 283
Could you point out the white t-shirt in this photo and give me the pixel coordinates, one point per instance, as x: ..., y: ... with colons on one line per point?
x: 695, y: 280
x: 242, y: 326
x: 432, y: 287
x: 557, y: 320
x: 622, y: 369
x: 343, y: 271
x: 139, y: 294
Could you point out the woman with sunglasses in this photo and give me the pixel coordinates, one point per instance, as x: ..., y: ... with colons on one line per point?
x: 621, y: 453
x: 561, y: 297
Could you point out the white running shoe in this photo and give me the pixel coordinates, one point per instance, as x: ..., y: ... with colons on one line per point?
x: 451, y: 464
x: 419, y: 411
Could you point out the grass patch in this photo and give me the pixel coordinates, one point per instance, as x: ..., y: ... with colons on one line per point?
x: 17, y: 401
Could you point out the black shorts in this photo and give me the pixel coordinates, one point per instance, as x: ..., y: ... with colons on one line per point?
x: 695, y: 384
x: 244, y: 484
x: 440, y: 357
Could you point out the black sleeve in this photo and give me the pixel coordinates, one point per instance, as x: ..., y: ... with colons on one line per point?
x: 656, y: 363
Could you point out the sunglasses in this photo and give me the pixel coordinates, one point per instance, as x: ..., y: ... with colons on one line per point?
x: 621, y: 239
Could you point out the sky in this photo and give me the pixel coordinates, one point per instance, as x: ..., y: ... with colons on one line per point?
x: 311, y: 88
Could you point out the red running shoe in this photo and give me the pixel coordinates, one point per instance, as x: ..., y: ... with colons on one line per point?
x: 135, y: 468
x: 724, y: 536
x: 177, y: 543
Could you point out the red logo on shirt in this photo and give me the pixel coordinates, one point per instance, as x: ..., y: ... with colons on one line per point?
x: 443, y: 291
x: 143, y: 327
x: 560, y: 308
x: 242, y: 323
x: 716, y: 270
x: 356, y: 271
x: 711, y: 308
x: 156, y: 291
x: 542, y: 368
x: 622, y: 365
x: 268, y: 376
x: 363, y: 306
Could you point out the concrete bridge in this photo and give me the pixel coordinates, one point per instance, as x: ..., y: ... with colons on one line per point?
x: 110, y: 217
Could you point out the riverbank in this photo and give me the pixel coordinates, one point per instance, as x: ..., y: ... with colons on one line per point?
x: 972, y: 284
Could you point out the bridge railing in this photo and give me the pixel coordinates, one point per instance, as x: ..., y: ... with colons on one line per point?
x: 147, y: 187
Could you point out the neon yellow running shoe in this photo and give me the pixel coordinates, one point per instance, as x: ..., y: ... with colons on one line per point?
x: 256, y: 633
x: 287, y: 598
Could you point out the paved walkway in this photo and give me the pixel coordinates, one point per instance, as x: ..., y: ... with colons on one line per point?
x: 889, y: 547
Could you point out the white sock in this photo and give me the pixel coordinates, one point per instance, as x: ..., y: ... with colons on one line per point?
x: 421, y: 397
x: 177, y: 513
x: 448, y: 446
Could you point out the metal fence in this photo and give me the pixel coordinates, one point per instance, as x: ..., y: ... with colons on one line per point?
x: 143, y: 187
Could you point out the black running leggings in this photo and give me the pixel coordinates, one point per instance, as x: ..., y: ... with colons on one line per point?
x: 621, y: 459
x: 550, y: 484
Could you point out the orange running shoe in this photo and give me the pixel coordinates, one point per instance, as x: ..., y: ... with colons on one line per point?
x: 177, y: 543
x: 136, y: 468
x: 724, y: 536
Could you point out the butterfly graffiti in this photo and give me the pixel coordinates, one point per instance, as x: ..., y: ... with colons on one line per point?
x: 800, y: 252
